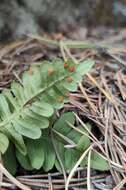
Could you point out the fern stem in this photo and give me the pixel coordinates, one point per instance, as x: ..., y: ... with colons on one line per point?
x: 70, y: 43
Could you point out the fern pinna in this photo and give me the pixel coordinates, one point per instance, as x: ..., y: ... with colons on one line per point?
x: 26, y: 110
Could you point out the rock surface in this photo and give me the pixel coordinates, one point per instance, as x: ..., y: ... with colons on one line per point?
x: 19, y: 17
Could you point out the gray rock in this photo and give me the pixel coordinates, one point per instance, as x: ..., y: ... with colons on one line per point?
x: 19, y: 17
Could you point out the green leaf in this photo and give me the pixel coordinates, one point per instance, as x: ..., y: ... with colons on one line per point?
x: 83, y: 143
x: 49, y: 154
x: 24, y: 161
x: 70, y: 83
x: 98, y: 163
x: 71, y: 157
x: 74, y: 135
x: 35, y: 153
x: 37, y: 120
x: 42, y: 108
x: 32, y: 80
x: 27, y: 129
x: 4, y: 107
x: 16, y: 138
x: 60, y: 150
x: 18, y: 92
x: 76, y: 77
x: 4, y: 142
x: 61, y: 124
x: 52, y: 97
x: 9, y: 160
x: 12, y: 103
x: 84, y: 67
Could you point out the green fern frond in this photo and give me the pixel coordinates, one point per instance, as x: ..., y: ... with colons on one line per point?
x: 26, y: 108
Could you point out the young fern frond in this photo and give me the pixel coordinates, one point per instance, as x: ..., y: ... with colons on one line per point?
x: 25, y: 109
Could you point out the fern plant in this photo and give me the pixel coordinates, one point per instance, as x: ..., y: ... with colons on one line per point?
x: 69, y: 144
x: 27, y: 110
x: 73, y: 143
